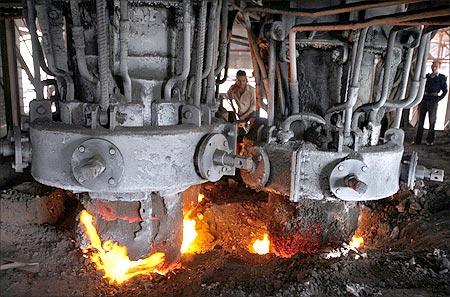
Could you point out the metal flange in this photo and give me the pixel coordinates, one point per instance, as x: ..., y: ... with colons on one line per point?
x: 259, y: 176
x: 207, y: 168
x: 97, y: 164
x: 349, y: 180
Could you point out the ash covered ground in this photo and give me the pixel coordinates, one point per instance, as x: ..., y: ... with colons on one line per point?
x: 406, y: 250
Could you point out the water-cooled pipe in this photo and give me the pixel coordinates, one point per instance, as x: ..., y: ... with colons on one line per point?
x: 210, y: 40
x: 46, y: 40
x: 224, y: 40
x: 423, y: 78
x: 293, y: 82
x: 254, y: 49
x: 346, y: 8
x: 31, y: 22
x: 201, y: 32
x: 103, y: 53
x: 123, y: 37
x: 385, y: 90
x: 186, y: 51
x: 78, y: 40
x: 35, y: 46
x: 392, y: 19
x: 354, y: 84
x: 225, y: 73
x: 271, y: 97
x: 403, y: 86
x: 415, y: 83
x: 302, y: 117
x: 281, y: 97
x: 211, y: 80
x: 373, y: 107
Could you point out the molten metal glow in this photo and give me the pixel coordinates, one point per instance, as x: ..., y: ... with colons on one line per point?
x: 356, y: 242
x: 113, y: 259
x: 261, y: 246
x: 200, y: 197
x: 189, y: 235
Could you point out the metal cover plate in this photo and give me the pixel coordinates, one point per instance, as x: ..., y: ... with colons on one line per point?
x: 341, y: 171
x: 105, y: 152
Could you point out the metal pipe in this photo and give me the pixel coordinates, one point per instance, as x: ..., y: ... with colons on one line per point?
x: 354, y: 84
x: 414, y: 86
x: 123, y: 37
x: 271, y: 99
x: 13, y: 80
x: 34, y: 48
x: 354, y: 87
x: 392, y: 19
x: 382, y: 20
x: 302, y: 117
x: 31, y: 22
x: 78, y: 40
x: 103, y: 53
x: 223, y: 38
x: 293, y: 83
x: 423, y: 78
x: 385, y: 90
x: 186, y: 51
x: 254, y: 47
x: 403, y: 86
x: 225, y: 74
x: 46, y: 39
x: 201, y: 32
x: 210, y: 40
x: 346, y: 8
x: 416, y: 89
x: 211, y: 80
x: 281, y: 97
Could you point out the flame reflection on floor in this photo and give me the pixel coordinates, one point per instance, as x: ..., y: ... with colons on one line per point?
x: 356, y: 242
x: 113, y: 259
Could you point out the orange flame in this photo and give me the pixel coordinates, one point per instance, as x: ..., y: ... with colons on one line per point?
x: 113, y: 258
x: 200, y: 197
x: 189, y: 235
x: 261, y: 246
x: 356, y: 242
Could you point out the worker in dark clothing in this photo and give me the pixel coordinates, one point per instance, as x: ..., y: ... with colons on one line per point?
x: 436, y: 83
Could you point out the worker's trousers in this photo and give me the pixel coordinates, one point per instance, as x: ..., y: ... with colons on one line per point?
x: 430, y: 107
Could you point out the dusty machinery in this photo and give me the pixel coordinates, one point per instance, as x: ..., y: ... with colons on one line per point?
x: 136, y: 97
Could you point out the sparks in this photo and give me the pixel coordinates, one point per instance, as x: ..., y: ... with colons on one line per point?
x: 261, y: 246
x: 113, y: 258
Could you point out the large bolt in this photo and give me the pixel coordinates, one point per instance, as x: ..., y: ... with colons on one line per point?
x: 111, y: 181
x: 353, y: 182
x: 341, y: 167
x: 41, y: 110
x: 187, y: 114
x: 81, y: 149
x: 364, y: 168
x: 112, y: 151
